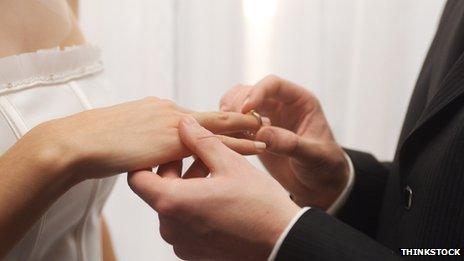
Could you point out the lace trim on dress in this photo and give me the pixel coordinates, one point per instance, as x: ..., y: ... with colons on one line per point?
x: 49, y: 66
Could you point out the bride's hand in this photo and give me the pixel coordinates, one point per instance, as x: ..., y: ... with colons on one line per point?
x: 126, y: 137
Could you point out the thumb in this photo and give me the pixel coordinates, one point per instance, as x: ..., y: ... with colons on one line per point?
x: 284, y: 142
x: 204, y: 144
x: 147, y: 185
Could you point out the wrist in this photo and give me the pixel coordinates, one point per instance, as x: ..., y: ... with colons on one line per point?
x: 285, y: 233
x: 324, y: 189
x: 279, y: 225
x: 50, y: 156
x: 56, y: 163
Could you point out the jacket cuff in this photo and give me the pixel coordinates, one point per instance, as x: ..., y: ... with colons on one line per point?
x: 284, y: 234
x: 342, y: 198
x: 361, y: 209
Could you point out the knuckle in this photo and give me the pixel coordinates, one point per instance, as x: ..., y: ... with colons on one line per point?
x: 167, y: 103
x: 266, y: 134
x: 272, y: 78
x: 222, y: 138
x: 208, y: 140
x: 222, y: 116
x: 151, y: 99
x: 224, y: 119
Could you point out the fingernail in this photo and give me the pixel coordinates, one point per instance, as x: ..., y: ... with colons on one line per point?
x: 223, y: 108
x: 260, y: 145
x: 189, y: 120
x: 266, y: 121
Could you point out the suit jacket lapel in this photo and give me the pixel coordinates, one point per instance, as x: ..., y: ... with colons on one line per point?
x: 450, y: 89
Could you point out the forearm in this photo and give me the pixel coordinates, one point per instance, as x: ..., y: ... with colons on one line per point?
x: 31, y: 180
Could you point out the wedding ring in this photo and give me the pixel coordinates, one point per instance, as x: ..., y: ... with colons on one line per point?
x: 251, y: 134
x: 257, y: 116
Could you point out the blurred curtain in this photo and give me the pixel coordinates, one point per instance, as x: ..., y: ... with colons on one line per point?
x: 361, y: 57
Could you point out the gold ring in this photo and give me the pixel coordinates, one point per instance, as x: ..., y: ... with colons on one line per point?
x: 257, y: 116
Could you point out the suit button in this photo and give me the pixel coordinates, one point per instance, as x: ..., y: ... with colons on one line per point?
x: 407, y: 198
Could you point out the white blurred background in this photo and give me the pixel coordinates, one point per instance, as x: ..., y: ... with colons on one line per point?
x: 361, y: 57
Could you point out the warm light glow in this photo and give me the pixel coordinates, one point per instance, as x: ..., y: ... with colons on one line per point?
x: 259, y: 22
x: 259, y: 11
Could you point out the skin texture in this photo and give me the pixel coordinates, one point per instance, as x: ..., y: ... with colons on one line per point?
x: 237, y: 213
x: 94, y: 144
x: 302, y: 153
x: 27, y: 26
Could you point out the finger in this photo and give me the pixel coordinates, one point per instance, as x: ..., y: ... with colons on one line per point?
x: 227, y: 122
x: 233, y: 99
x: 284, y: 142
x: 268, y: 106
x: 240, y: 98
x: 205, y: 144
x: 266, y: 121
x: 245, y: 134
x: 243, y: 146
x: 147, y: 185
x: 170, y: 170
x: 198, y: 169
x: 273, y: 87
x: 278, y: 140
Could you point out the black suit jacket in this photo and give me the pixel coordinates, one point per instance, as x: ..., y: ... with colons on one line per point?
x: 417, y: 201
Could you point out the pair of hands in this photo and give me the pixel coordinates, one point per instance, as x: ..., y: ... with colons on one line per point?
x: 56, y: 155
x: 238, y: 213
x: 126, y: 137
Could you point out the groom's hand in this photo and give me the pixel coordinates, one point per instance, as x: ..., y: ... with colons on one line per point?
x: 302, y: 153
x: 237, y: 213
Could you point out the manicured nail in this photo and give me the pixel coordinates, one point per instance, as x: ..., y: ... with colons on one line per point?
x: 260, y: 145
x: 189, y: 120
x: 266, y: 121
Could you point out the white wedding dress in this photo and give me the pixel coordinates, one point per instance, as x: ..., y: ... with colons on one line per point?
x: 37, y: 87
